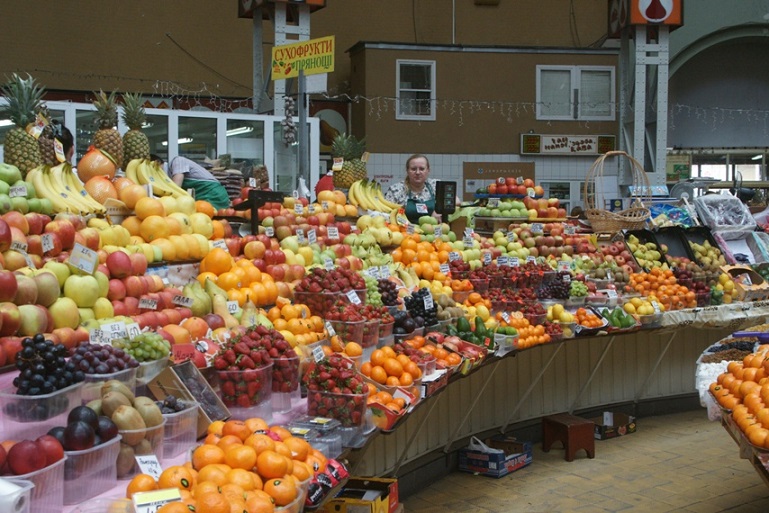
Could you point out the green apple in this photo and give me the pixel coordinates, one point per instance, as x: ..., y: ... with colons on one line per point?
x: 65, y: 313
x: 83, y: 290
x: 102, y: 308
x: 61, y: 270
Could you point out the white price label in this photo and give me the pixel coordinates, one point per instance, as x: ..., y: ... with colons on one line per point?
x: 656, y: 307
x: 502, y: 260
x: 96, y: 336
x: 428, y: 300
x: 232, y: 306
x: 567, y: 278
x: 353, y: 297
x: 468, y: 242
x: 511, y: 236
x: 328, y: 264
x: 445, y: 269
x: 298, y: 208
x: 337, y: 164
x: 537, y: 228
x: 373, y: 272
x: 317, y: 352
x: 531, y: 192
x: 492, y: 202
x: 18, y: 191
x: 487, y: 259
x: 148, y: 304
x: 83, y: 259
x: 311, y: 208
x: 115, y: 330
x: 530, y: 259
x: 422, y: 208
x: 133, y: 330
x: 384, y: 272
x: 252, y: 182
x: 564, y: 265
x: 312, y: 237
x: 21, y: 247
x: 149, y: 464
x: 437, y: 231
x: 269, y: 231
x: 333, y: 232
x: 506, y: 316
x: 47, y: 242
x: 609, y: 276
x: 453, y: 255
x: 410, y: 228
x: 324, y: 205
x: 515, y: 262
x: 151, y: 502
x: 569, y: 229
x: 469, y: 232
x: 300, y: 236
x: 330, y: 329
x: 519, y: 180
x: 611, y: 293
x: 219, y: 243
x: 180, y: 300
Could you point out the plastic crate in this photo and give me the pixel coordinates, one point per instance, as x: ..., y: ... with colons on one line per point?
x: 148, y: 370
x: 181, y: 431
x: 350, y: 331
x: 386, y: 329
x: 93, y: 383
x: 89, y: 472
x: 48, y: 494
x: 247, y: 393
x: 15, y: 495
x: 26, y: 416
x: 139, y: 442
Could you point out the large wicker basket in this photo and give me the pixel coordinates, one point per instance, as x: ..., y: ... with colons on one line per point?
x: 602, y: 220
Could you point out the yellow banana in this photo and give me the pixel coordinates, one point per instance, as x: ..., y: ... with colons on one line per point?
x: 384, y: 200
x: 43, y: 187
x: 130, y: 170
x: 352, y: 198
x: 161, y: 175
x: 75, y: 187
x: 144, y: 174
x: 59, y: 187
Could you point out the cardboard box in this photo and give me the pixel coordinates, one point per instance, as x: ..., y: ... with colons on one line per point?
x: 366, y: 495
x: 384, y: 418
x: 434, y: 382
x: 173, y: 381
x: 748, y: 284
x: 612, y: 425
x: 516, y: 456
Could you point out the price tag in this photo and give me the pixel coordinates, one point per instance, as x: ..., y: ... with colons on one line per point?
x: 511, y: 236
x: 656, y: 307
x: 312, y: 237
x: 150, y: 502
x: 530, y: 192
x: 311, y: 208
x: 133, y: 330
x: 501, y: 180
x: 337, y: 164
x: 181, y: 300
x: 232, y: 306
x: 401, y: 220
x: 317, y: 351
x: 410, y: 228
x: 564, y: 265
x: 18, y: 191
x: 530, y: 259
x: 269, y: 231
x: 445, y: 269
x: 183, y: 352
x: 219, y: 243
x: 384, y: 272
x: 21, y: 247
x: 300, y: 236
x: 570, y: 229
x: 428, y: 300
x: 373, y: 272
x: 611, y: 293
x: 330, y: 329
x: 295, y: 194
x: 422, y: 208
x: 537, y: 228
x: 298, y: 208
x: 437, y: 231
x: 514, y: 262
x: 469, y: 232
x: 115, y: 330
x: 492, y: 202
x: 353, y: 297
x: 27, y: 258
x: 454, y: 256
x: 324, y: 205
x: 609, y: 276
x: 503, y: 261
x: 468, y: 242
x: 333, y: 232
x: 148, y: 304
x: 506, y: 317
x: 328, y: 264
x: 252, y: 182
x: 83, y: 259
x: 567, y: 278
x: 149, y: 464
x: 487, y: 259
x: 96, y: 336
x: 519, y: 180
x: 47, y: 242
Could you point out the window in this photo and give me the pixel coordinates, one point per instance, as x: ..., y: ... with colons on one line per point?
x: 416, y: 90
x: 576, y: 93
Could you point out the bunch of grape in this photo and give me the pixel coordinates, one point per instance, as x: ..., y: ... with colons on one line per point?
x: 373, y: 297
x: 577, y: 289
x: 388, y: 291
x: 556, y: 289
x: 173, y: 405
x: 101, y: 359
x: 145, y: 347
x: 42, y: 367
x: 415, y: 304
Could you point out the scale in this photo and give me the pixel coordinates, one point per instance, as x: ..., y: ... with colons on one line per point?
x: 257, y: 199
x: 445, y: 197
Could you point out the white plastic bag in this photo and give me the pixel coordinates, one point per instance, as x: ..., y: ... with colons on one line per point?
x: 477, y: 445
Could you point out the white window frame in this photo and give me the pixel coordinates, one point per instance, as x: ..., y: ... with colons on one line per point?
x: 575, y: 106
x: 398, y: 90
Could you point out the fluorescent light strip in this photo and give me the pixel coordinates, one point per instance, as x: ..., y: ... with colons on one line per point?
x: 241, y: 130
x: 183, y: 140
x: 5, y: 122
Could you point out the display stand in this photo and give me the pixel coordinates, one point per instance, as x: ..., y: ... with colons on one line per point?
x: 257, y: 199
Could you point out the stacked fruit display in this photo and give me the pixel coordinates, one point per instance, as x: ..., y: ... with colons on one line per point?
x: 43, y: 370
x: 387, y: 367
x: 18, y: 458
x: 335, y: 390
x: 85, y: 429
x: 648, y: 254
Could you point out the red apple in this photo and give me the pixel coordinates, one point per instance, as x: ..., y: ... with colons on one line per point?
x: 119, y: 264
x: 119, y: 308
x: 90, y: 237
x: 11, y: 346
x: 25, y: 457
x: 51, y: 448
x: 66, y: 232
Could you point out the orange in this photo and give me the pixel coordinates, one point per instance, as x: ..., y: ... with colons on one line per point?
x: 215, y: 473
x: 255, y: 424
x: 132, y: 224
x: 284, y: 491
x: 216, y: 427
x: 176, y: 476
x: 217, y: 261
x: 141, y: 483
x: 378, y: 374
x: 365, y: 369
x: 205, y: 208
x: 246, y: 479
x: 300, y: 448
x: 406, y: 379
x: 377, y: 357
x: 154, y: 227
x: 259, y: 504
x: 207, y: 275
x: 131, y: 195
x: 205, y: 487
x: 392, y: 381
x: 218, y: 230
x: 146, y: 207
x: 393, y: 367
x: 282, y: 432
x: 240, y: 456
x: 302, y: 470
x: 212, y: 503
x: 205, y: 455
x: 270, y: 464
x: 236, y: 427
x: 316, y: 463
x: 228, y: 441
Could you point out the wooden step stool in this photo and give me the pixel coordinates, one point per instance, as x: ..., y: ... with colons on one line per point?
x: 574, y: 433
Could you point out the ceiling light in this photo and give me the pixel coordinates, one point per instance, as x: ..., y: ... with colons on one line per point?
x: 183, y: 140
x: 241, y: 130
x: 5, y: 122
x: 757, y: 157
x: 148, y: 124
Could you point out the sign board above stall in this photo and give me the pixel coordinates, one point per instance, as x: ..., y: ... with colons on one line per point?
x: 312, y: 57
x: 547, y: 144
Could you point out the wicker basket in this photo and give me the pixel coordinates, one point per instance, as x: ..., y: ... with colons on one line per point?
x: 633, y: 218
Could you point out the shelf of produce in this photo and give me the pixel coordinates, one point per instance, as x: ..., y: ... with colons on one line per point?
x: 757, y: 457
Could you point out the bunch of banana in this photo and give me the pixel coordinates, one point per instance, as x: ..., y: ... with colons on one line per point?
x: 65, y: 191
x: 368, y: 194
x: 407, y: 275
x: 143, y: 172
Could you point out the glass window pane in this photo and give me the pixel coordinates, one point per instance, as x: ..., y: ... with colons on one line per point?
x: 595, y: 93
x: 245, y: 142
x: 555, y: 93
x: 156, y: 130
x: 286, y: 163
x: 415, y: 76
x: 197, y: 137
x: 85, y: 121
x: 414, y: 103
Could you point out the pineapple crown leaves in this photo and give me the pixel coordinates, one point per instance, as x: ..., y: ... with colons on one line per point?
x: 106, y: 110
x: 134, y: 114
x: 348, y: 147
x: 24, y: 98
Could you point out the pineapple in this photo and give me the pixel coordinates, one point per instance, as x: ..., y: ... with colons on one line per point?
x: 135, y: 142
x: 107, y: 138
x: 45, y: 141
x: 24, y: 98
x: 353, y: 169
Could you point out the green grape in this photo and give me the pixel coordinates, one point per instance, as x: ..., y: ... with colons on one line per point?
x: 373, y: 297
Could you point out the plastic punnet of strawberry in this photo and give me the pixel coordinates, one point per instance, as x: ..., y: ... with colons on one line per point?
x: 343, y: 310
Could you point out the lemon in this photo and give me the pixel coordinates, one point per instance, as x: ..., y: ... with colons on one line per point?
x: 629, y: 307
x: 636, y: 302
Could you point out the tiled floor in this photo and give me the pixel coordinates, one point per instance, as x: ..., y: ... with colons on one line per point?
x: 680, y: 462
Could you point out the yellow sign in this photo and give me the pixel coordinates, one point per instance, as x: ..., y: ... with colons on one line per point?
x: 313, y: 57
